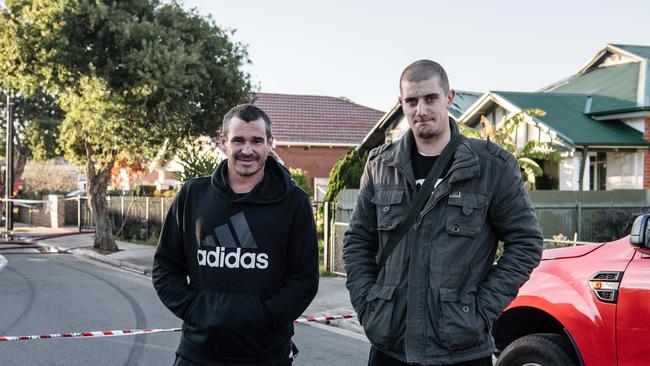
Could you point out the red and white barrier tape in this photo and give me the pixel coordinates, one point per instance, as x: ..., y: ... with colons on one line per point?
x: 128, y: 332
x: 324, y: 318
x: 105, y: 333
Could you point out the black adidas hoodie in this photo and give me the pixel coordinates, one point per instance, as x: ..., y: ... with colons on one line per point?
x: 252, y: 262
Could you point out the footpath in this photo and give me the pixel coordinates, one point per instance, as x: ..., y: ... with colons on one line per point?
x: 332, y: 297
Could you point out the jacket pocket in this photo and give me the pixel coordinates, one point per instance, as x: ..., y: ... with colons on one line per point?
x: 378, y: 314
x: 229, y: 325
x: 390, y: 209
x: 466, y: 212
x: 460, y: 324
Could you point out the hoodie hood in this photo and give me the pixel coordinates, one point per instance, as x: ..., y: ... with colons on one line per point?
x: 275, y: 186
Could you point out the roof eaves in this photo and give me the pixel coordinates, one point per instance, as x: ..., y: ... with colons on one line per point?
x: 481, y: 102
x: 614, y: 113
x: 611, y: 48
x: 386, y: 120
x: 536, y: 121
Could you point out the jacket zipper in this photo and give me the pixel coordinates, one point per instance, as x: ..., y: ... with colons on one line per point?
x: 423, y: 213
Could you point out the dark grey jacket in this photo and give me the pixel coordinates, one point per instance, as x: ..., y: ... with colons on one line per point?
x: 437, y: 296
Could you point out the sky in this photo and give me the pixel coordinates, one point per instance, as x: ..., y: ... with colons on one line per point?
x: 358, y: 49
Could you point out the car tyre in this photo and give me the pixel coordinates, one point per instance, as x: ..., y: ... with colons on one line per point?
x: 538, y: 350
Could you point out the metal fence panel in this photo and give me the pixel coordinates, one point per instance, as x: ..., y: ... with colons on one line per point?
x: 571, y: 213
x: 337, y: 262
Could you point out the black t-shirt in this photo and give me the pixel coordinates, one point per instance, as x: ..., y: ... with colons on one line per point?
x: 422, y: 164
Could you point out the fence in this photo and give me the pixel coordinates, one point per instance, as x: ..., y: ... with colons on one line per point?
x: 131, y: 217
x: 579, y: 216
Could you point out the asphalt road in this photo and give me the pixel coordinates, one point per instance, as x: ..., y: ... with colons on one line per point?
x: 43, y: 294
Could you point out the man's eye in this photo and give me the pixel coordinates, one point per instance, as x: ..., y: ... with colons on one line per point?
x: 412, y: 102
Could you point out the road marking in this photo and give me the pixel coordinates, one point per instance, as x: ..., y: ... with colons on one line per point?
x: 333, y: 329
x: 36, y: 260
x: 3, y: 262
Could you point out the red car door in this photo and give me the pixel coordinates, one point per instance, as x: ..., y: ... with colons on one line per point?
x: 633, y: 313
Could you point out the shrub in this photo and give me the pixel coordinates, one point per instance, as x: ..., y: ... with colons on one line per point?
x: 614, y: 223
x: 299, y: 177
x: 345, y: 174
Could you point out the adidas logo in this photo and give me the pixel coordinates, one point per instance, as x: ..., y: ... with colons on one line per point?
x: 228, y: 254
x: 220, y: 258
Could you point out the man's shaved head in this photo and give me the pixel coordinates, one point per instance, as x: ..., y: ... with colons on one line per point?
x: 424, y: 70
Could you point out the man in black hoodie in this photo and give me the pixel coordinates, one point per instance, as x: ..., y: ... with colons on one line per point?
x: 237, y: 258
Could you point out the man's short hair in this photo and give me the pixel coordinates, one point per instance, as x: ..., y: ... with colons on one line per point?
x: 247, y: 113
x: 424, y: 70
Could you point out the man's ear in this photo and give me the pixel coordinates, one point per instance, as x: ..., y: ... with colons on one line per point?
x: 400, y: 101
x: 271, y: 142
x: 222, y: 141
x: 450, y: 97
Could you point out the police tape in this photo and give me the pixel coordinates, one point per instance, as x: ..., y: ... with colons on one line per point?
x: 129, y: 332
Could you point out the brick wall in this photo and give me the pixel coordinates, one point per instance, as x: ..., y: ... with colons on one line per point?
x: 316, y: 160
x: 646, y: 159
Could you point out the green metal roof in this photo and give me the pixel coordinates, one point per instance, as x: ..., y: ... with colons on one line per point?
x: 565, y: 115
x: 618, y: 82
x: 462, y: 101
x: 641, y: 51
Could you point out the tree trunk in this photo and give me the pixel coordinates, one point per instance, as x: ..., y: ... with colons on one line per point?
x: 19, y: 165
x: 97, y: 181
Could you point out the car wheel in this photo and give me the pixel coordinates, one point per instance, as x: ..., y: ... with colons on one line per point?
x: 538, y: 350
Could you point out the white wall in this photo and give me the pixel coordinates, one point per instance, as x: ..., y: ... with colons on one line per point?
x: 636, y: 123
x: 624, y: 170
x: 569, y: 173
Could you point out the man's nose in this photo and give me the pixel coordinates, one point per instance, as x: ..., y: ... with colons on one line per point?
x: 420, y: 109
x: 247, y: 148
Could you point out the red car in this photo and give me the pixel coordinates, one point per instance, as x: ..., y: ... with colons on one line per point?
x: 586, y: 305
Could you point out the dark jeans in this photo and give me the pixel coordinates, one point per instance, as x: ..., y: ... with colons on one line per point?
x: 378, y: 358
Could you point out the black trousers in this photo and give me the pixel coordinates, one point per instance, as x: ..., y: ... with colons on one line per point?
x: 378, y: 358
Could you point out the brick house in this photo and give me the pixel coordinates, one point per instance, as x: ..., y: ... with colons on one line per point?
x: 313, y: 132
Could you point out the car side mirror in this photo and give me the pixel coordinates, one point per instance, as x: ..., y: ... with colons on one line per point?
x: 640, y: 235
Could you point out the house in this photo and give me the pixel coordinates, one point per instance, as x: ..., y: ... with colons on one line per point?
x: 599, y: 119
x: 313, y: 132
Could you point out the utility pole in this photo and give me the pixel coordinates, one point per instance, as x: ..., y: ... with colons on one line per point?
x: 9, y: 164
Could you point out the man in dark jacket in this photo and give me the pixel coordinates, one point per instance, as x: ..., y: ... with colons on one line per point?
x: 436, y: 297
x: 237, y: 258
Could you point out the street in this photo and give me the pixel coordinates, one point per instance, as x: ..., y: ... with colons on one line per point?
x: 47, y: 293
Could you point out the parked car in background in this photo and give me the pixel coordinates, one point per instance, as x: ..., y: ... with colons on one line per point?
x: 585, y: 305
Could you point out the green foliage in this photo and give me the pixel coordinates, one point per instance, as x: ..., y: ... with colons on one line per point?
x: 467, y: 131
x: 299, y: 177
x: 163, y: 72
x: 129, y: 75
x: 197, y: 160
x: 345, y: 174
x: 504, y: 136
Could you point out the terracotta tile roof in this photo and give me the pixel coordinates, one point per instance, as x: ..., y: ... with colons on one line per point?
x: 317, y: 119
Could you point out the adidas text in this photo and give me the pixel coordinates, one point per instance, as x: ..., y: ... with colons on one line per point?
x: 221, y: 258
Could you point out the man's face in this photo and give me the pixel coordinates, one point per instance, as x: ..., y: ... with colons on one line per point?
x: 246, y: 146
x: 425, y: 106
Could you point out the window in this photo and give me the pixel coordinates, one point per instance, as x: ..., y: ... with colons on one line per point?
x: 597, y: 171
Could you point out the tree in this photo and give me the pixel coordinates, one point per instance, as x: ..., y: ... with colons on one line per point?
x: 128, y: 75
x: 345, y: 174
x: 36, y: 120
x: 504, y: 135
x: 198, y: 159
